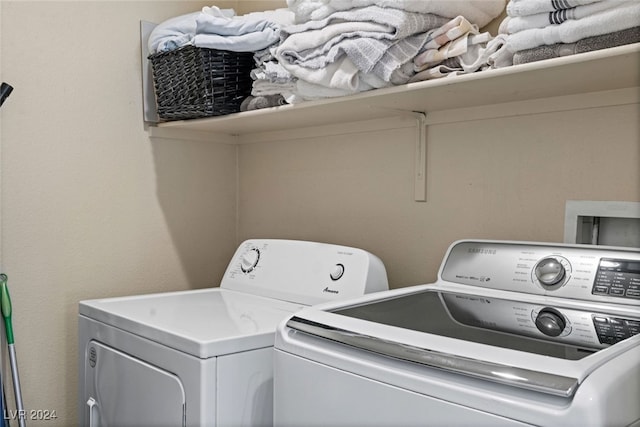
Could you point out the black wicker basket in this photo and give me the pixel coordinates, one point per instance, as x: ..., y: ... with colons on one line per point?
x: 192, y: 82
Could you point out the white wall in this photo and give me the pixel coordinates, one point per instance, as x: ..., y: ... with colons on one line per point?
x: 91, y: 207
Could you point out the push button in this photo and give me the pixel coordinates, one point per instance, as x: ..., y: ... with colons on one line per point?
x: 633, y: 293
x: 608, y: 340
x: 633, y: 327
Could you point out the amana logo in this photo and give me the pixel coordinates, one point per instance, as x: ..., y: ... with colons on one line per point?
x: 331, y: 291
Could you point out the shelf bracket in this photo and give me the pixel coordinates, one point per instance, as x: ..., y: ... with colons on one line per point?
x: 420, y: 152
x: 420, y: 171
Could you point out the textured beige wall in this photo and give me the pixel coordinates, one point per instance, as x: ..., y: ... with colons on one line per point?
x: 91, y: 207
x: 501, y: 178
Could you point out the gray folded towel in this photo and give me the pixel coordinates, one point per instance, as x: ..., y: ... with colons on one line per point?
x: 258, y: 102
x: 588, y: 44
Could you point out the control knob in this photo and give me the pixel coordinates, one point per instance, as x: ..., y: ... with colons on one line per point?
x: 550, y: 271
x: 249, y: 260
x: 550, y: 322
x: 337, y: 272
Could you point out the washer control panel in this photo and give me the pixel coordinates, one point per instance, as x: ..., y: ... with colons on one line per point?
x: 583, y: 328
x: 593, y: 273
x: 610, y: 330
x: 618, y: 278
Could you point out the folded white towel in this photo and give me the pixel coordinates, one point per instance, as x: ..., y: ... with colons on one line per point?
x: 249, y: 42
x: 467, y: 55
x: 455, y: 48
x: 262, y: 56
x: 439, y: 46
x: 306, y: 91
x: 511, y: 25
x: 608, y: 21
x: 247, y: 33
x: 453, y: 29
x: 264, y: 88
x: 480, y: 12
x: 403, y: 23
x: 500, y: 56
x: 309, y: 91
x: 216, y: 28
x: 273, y: 72
x: 393, y: 65
x: 306, y: 45
x: 341, y: 74
x: 378, y: 40
x: 173, y: 33
x: 532, y: 7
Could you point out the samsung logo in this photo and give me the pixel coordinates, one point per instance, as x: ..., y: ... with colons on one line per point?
x: 331, y: 291
x: 482, y: 251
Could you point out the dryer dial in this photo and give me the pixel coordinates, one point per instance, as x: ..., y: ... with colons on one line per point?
x: 249, y: 260
x: 337, y: 272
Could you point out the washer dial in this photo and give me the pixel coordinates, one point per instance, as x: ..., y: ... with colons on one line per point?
x: 550, y: 322
x: 249, y: 260
x: 552, y: 272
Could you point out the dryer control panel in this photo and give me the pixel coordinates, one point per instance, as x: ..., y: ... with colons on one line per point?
x: 304, y: 272
x: 585, y: 272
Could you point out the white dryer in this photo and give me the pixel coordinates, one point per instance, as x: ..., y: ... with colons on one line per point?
x: 511, y: 334
x: 205, y: 357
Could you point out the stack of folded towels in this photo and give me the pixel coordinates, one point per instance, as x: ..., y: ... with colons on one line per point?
x: 271, y: 82
x: 534, y: 30
x: 341, y: 47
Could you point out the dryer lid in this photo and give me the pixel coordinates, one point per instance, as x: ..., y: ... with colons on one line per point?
x: 205, y: 323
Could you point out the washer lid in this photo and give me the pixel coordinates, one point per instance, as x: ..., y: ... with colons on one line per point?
x: 204, y: 323
x: 475, y: 335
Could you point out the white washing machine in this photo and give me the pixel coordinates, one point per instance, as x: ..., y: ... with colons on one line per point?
x: 205, y: 357
x: 511, y: 334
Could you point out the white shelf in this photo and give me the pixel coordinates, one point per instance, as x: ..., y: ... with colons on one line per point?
x: 604, y: 70
x: 604, y: 75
